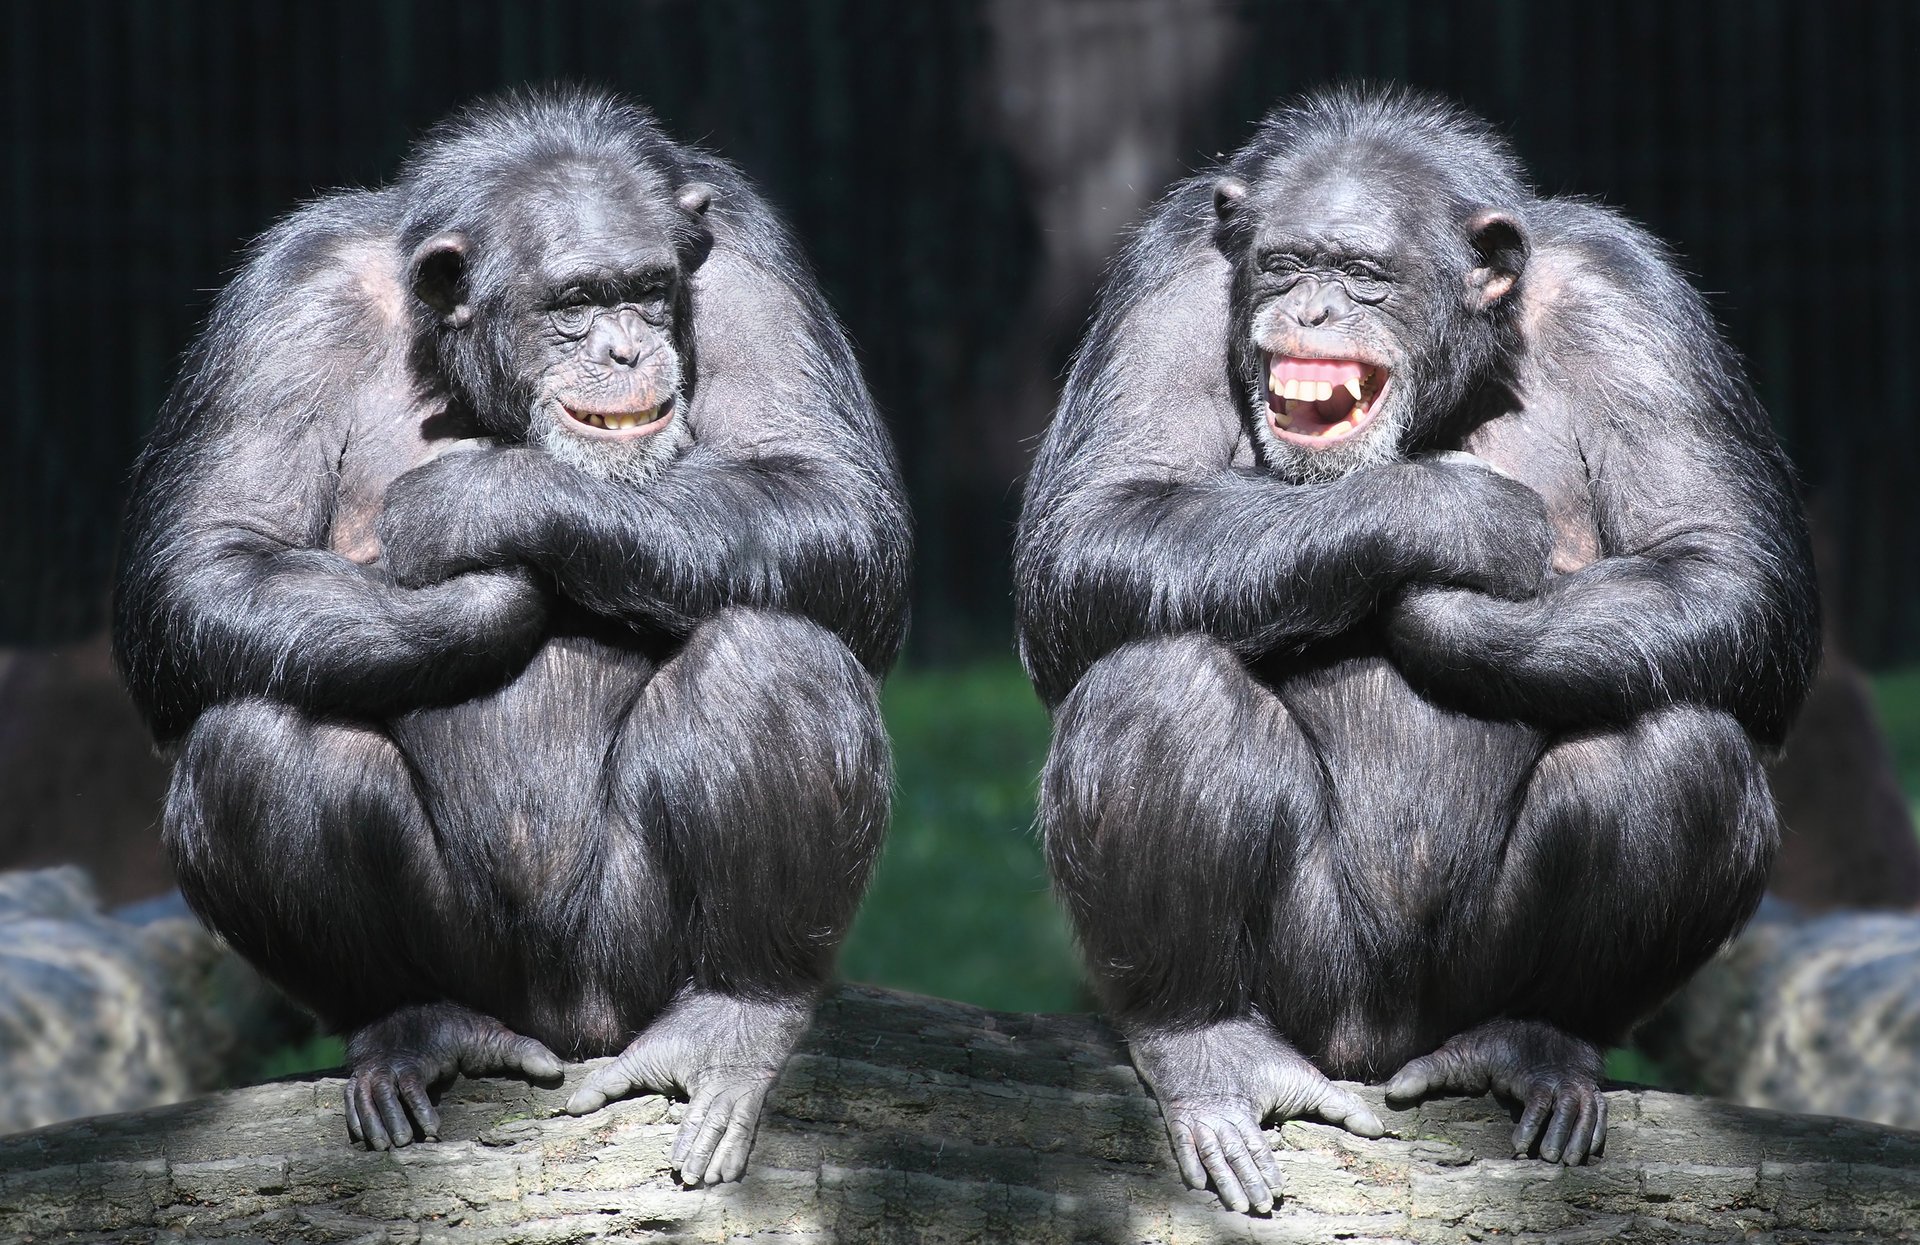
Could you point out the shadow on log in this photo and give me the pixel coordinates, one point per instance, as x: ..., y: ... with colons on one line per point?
x: 910, y: 1119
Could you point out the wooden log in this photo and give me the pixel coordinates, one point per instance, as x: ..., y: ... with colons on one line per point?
x: 912, y: 1119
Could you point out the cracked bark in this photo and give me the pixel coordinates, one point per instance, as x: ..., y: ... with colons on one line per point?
x: 913, y: 1119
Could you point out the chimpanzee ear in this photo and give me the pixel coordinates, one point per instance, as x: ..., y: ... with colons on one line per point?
x: 1228, y: 194
x: 438, y: 274
x: 694, y: 198
x: 1500, y: 246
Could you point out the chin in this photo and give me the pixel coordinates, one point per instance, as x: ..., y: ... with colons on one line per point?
x: 633, y: 460
x: 1373, y: 445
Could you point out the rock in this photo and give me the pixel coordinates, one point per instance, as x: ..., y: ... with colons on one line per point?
x: 1804, y: 1013
x: 99, y: 1014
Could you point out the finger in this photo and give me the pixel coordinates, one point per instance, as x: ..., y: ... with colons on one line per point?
x: 1337, y: 1106
x: 392, y: 1114
x: 1186, y: 1154
x: 729, y: 1160
x: 1246, y: 1169
x: 355, y: 1133
x: 1415, y: 1079
x: 1582, y: 1141
x: 1599, y: 1146
x: 1225, y: 1183
x: 1528, y: 1130
x: 1566, y: 1111
x: 413, y: 1092
x: 376, y: 1132
x: 1262, y: 1151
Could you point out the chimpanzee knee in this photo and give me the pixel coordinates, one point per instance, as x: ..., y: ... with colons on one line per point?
x: 759, y: 752
x: 1638, y: 853
x: 332, y: 807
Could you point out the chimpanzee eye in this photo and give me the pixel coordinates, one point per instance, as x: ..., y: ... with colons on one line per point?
x: 573, y: 318
x: 1363, y: 270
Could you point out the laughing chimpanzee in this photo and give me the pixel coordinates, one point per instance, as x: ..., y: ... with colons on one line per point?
x: 510, y: 572
x: 1416, y: 584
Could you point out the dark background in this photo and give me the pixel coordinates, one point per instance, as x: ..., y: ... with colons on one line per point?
x: 957, y: 172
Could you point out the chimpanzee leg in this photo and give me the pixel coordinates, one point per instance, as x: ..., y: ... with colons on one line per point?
x: 302, y: 844
x: 1176, y: 793
x: 758, y: 754
x: 1637, y: 854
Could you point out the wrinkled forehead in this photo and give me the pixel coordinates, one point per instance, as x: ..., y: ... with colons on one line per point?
x: 589, y: 215
x: 1362, y: 199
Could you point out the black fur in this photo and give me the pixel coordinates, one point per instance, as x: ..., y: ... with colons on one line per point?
x: 579, y: 752
x: 1333, y: 750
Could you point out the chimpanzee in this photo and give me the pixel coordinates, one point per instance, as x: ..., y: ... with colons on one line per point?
x: 510, y: 573
x: 1416, y: 585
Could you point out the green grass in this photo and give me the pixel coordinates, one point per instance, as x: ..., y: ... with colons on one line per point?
x: 959, y: 906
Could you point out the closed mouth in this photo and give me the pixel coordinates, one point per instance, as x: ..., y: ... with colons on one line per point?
x: 1321, y: 402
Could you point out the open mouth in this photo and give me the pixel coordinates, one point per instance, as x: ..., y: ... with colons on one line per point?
x: 620, y: 425
x: 1320, y: 402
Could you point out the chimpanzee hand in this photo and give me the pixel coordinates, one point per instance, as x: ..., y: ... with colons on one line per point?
x: 445, y: 517
x: 1218, y: 1084
x: 1501, y: 539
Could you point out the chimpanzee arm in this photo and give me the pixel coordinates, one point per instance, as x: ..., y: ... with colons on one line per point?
x: 226, y: 587
x: 1704, y: 592
x: 789, y: 497
x: 1139, y: 521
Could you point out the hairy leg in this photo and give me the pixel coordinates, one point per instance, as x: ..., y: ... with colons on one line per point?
x: 397, y: 1061
x: 1174, y: 791
x: 758, y: 752
x: 1636, y: 855
x: 301, y: 842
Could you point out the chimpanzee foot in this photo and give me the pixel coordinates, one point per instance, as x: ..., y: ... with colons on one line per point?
x: 1555, y: 1077
x: 1218, y: 1084
x: 724, y: 1053
x: 395, y: 1062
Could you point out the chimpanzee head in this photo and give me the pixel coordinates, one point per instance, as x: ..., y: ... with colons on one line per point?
x: 552, y: 258
x: 1376, y: 253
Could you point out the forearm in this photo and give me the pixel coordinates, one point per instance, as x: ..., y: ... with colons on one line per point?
x: 1612, y: 641
x: 810, y: 536
x: 238, y: 616
x: 1255, y: 562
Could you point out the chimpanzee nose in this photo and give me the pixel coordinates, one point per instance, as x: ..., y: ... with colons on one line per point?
x: 619, y: 337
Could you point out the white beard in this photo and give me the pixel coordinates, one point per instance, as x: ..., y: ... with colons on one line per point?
x: 633, y: 463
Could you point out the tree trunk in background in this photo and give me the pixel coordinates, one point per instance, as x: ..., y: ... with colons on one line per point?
x: 910, y: 1119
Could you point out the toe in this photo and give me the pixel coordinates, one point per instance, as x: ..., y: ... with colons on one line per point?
x: 1340, y: 1107
x: 1225, y: 1182
x: 387, y: 1101
x: 1566, y: 1113
x: 1539, y: 1104
x: 1599, y: 1146
x: 1413, y: 1080
x: 419, y: 1104
x: 1580, y: 1141
x: 729, y: 1159
x: 532, y: 1058
x: 1186, y: 1154
x: 373, y: 1129
x: 600, y: 1088
x: 1246, y: 1169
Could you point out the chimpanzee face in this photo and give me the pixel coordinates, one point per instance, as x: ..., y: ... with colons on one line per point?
x: 1349, y: 288
x: 575, y: 309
